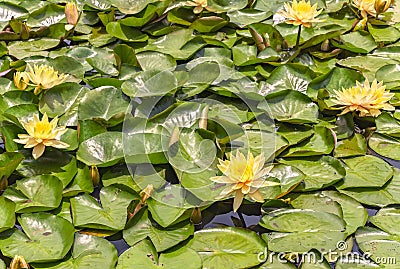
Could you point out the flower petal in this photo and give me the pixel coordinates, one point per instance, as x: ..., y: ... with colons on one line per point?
x: 238, y: 200
x: 38, y: 151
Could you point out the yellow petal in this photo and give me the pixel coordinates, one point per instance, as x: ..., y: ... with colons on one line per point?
x: 237, y: 201
x: 257, y: 196
x: 38, y: 151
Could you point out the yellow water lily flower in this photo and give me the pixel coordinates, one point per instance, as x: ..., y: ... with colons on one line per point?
x: 243, y: 176
x: 372, y: 7
x: 42, y: 133
x: 21, y: 80
x: 366, y: 98
x: 44, y: 77
x: 300, y: 13
x: 198, y: 4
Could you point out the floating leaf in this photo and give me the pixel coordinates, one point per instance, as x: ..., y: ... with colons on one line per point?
x: 111, y: 214
x: 141, y: 227
x: 7, y: 211
x: 34, y: 194
x: 87, y: 251
x: 228, y: 247
x: 44, y: 238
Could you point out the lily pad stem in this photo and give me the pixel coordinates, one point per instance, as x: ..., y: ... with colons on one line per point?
x: 298, y: 38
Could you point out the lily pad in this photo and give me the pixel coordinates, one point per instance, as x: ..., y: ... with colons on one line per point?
x: 299, y: 230
x: 319, y: 171
x: 386, y: 219
x: 34, y: 194
x: 111, y: 214
x: 87, y: 251
x: 44, y: 238
x: 141, y: 227
x: 292, y: 107
x: 7, y: 210
x: 144, y: 255
x: 380, y: 246
x: 228, y: 247
x: 361, y: 172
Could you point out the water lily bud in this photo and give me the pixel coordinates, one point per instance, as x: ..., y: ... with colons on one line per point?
x: 195, y: 217
x: 146, y: 193
x: 325, y: 45
x: 3, y: 183
x: 382, y: 5
x: 94, y: 173
x: 204, y: 118
x: 18, y: 263
x: 72, y: 13
x: 21, y: 80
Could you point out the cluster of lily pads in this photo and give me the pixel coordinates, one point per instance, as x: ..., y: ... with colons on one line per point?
x: 141, y: 120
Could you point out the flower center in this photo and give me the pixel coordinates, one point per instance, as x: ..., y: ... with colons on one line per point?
x: 43, y: 130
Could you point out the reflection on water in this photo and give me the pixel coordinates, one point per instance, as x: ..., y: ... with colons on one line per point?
x: 226, y: 220
x: 120, y: 245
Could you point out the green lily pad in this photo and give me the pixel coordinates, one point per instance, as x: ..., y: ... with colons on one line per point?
x: 82, y: 182
x: 34, y: 194
x: 88, y: 251
x: 104, y: 149
x: 61, y: 99
x: 389, y: 75
x: 386, y: 195
x: 131, y: 6
x: 336, y: 79
x: 150, y: 140
x: 315, y: 201
x: 228, y: 247
x: 380, y: 246
x: 386, y: 219
x: 321, y: 142
x: 7, y: 210
x: 9, y: 11
x: 385, y: 145
x: 354, y: 214
x: 319, y: 171
x: 359, y: 42
x: 152, y: 60
x: 46, y: 16
x: 125, y: 33
x: 9, y: 161
x: 44, y: 238
x: 351, y: 147
x: 164, y: 214
x: 111, y: 214
x: 105, y: 104
x: 150, y: 83
x: 141, y: 227
x: 144, y: 255
x: 388, y: 125
x: 302, y: 220
x: 226, y: 5
x: 361, y: 172
x: 245, y: 17
x: 299, y: 230
x: 292, y: 107
x: 288, y: 77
